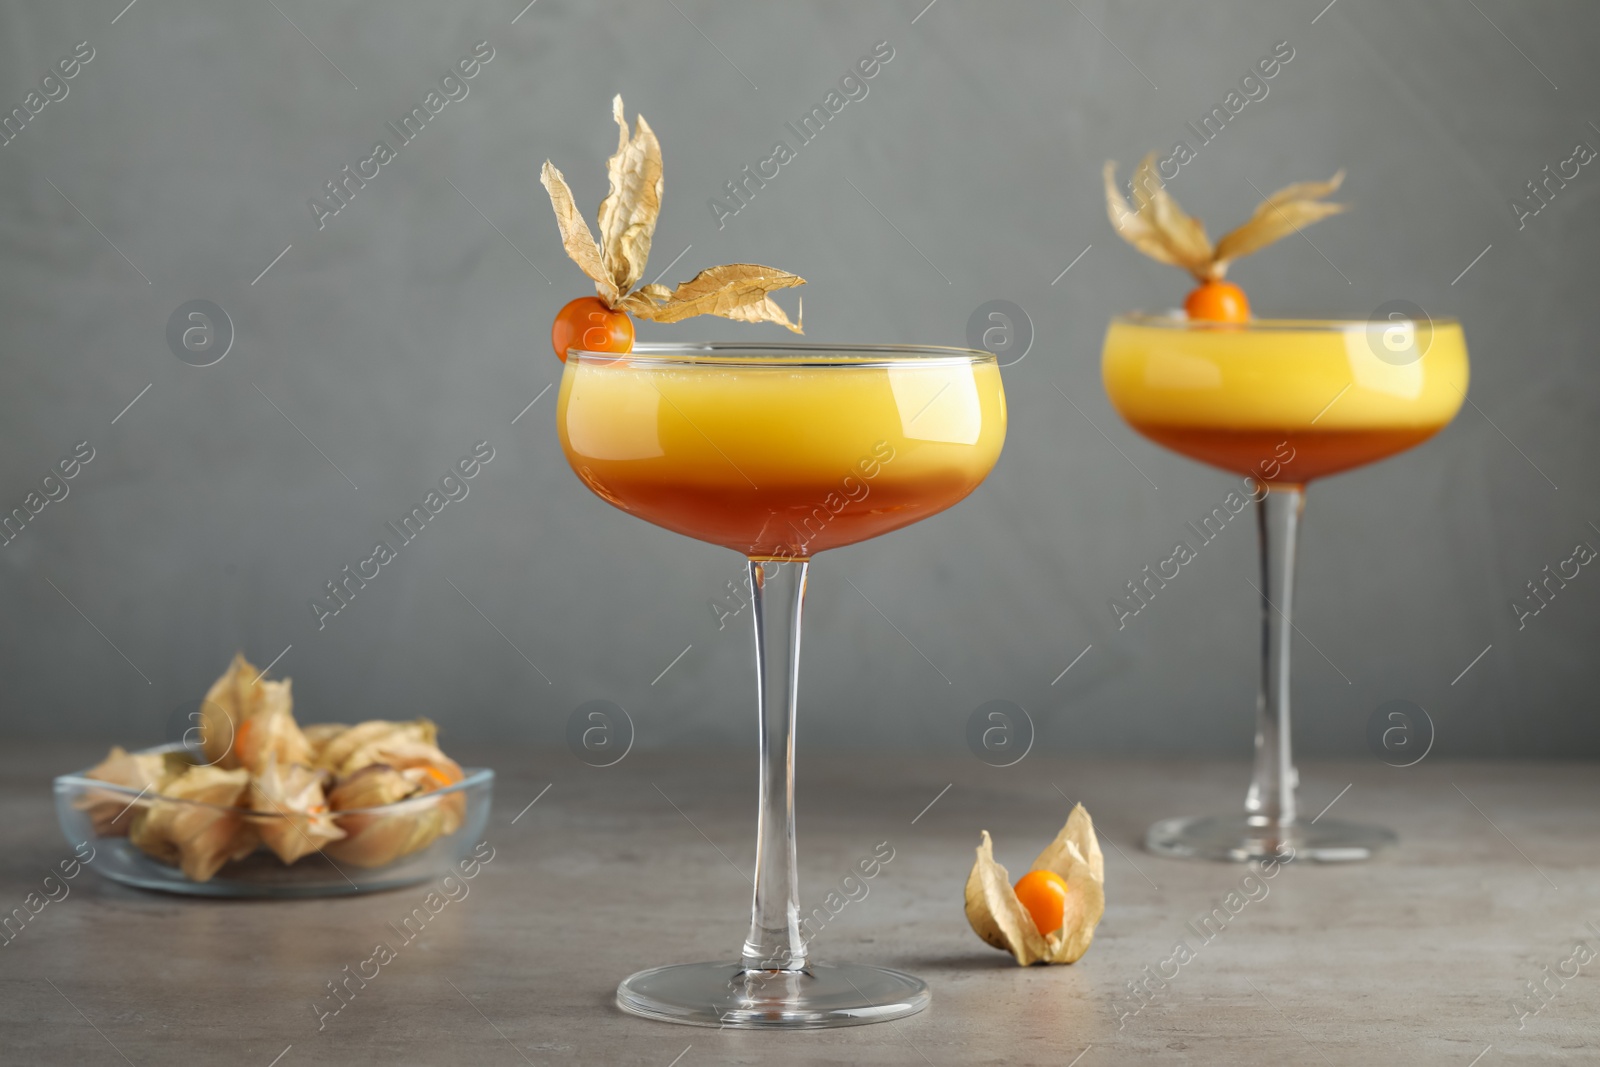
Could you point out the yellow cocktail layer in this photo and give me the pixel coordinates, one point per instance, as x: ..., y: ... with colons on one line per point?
x: 1278, y: 376
x: 716, y: 424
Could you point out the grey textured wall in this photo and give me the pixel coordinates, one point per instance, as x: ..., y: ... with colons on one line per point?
x: 380, y: 348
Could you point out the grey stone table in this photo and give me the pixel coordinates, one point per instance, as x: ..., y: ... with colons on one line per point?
x: 1414, y: 959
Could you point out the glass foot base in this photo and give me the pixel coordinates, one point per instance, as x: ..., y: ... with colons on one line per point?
x: 725, y: 994
x: 1236, y: 839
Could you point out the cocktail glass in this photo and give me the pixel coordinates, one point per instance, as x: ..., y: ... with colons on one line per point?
x: 778, y: 452
x: 1280, y: 402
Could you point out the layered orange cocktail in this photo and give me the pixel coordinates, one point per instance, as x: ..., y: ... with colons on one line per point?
x: 780, y: 459
x: 1332, y: 395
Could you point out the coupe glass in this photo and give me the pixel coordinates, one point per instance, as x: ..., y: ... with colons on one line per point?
x: 1279, y: 402
x: 779, y: 451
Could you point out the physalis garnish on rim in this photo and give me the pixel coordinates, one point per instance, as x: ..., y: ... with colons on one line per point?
x: 1071, y: 865
x: 627, y: 219
x: 1158, y: 227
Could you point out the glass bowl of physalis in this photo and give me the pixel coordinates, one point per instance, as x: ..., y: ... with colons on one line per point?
x: 251, y: 804
x: 1049, y: 915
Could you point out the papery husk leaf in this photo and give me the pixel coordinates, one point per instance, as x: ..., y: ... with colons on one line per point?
x: 338, y: 749
x: 998, y: 917
x: 230, y: 699
x: 1304, y: 191
x: 995, y: 913
x: 113, y: 813
x: 151, y: 834
x: 318, y: 735
x: 371, y: 787
x: 629, y: 211
x: 270, y: 734
x: 1132, y: 227
x: 1079, y: 831
x: 294, y: 792
x: 199, y: 839
x: 721, y: 290
x: 240, y: 695
x: 644, y: 300
x: 376, y: 839
x: 430, y: 770
x: 575, y: 236
x: 765, y: 310
x: 1075, y: 855
x: 1275, y: 221
x: 405, y: 752
x: 1184, y: 236
x: 419, y: 756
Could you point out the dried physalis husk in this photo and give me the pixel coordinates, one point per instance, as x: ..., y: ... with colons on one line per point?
x: 390, y: 766
x: 198, y: 837
x: 370, y: 787
x: 737, y: 291
x: 628, y: 214
x: 421, y: 763
x: 294, y: 793
x: 375, y: 839
x: 271, y: 735
x: 248, y: 721
x: 999, y: 918
x: 349, y: 750
x: 230, y: 699
x: 112, y: 813
x: 319, y: 734
x: 1159, y: 228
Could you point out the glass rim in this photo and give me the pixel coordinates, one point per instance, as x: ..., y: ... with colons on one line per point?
x: 784, y: 354
x: 1174, y: 322
x: 472, y: 777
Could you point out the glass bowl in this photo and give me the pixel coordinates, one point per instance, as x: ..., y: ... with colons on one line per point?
x: 101, y: 813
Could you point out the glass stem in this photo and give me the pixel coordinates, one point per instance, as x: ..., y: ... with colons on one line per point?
x: 775, y: 941
x: 1270, y: 802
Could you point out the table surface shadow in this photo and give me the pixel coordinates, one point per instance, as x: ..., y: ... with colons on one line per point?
x: 1460, y: 948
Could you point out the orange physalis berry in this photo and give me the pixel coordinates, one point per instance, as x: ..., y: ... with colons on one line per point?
x: 240, y: 733
x: 441, y: 777
x: 1044, y: 894
x: 588, y: 324
x: 1218, y: 301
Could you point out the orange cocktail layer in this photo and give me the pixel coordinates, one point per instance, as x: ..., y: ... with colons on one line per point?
x: 778, y: 461
x: 1315, y: 453
x: 1330, y: 398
